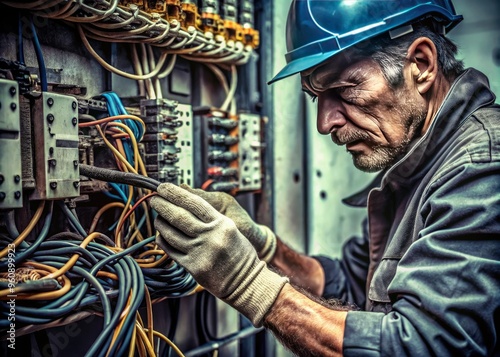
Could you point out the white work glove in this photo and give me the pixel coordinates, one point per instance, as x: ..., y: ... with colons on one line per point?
x: 262, y: 238
x: 213, y: 250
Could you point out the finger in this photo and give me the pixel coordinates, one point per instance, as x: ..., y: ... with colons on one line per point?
x: 190, y: 202
x: 167, y: 248
x: 214, y: 198
x: 175, y: 243
x: 178, y: 217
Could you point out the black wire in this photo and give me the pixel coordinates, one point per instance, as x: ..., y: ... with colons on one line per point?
x: 127, y: 178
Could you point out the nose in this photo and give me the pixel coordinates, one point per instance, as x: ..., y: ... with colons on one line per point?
x: 331, y: 113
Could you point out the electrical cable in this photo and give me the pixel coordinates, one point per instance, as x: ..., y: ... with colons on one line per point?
x: 118, y: 176
x: 39, y: 57
x: 220, y: 342
x: 110, y: 68
x: 20, y: 40
x: 27, y: 230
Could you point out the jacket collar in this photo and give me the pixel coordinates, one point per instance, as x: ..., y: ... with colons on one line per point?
x: 469, y: 92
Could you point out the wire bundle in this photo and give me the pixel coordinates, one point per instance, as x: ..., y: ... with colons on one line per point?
x: 108, y: 22
x: 67, y: 276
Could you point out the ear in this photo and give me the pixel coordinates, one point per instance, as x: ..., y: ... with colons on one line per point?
x: 423, y: 58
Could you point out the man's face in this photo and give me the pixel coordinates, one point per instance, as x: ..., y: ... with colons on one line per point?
x: 358, y: 109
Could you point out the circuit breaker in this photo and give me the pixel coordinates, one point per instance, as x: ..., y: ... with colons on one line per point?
x: 55, y: 139
x: 10, y: 146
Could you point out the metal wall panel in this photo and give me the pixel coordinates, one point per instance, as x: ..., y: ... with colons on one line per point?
x: 478, y: 37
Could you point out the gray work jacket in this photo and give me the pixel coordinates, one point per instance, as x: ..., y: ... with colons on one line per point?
x: 427, y: 272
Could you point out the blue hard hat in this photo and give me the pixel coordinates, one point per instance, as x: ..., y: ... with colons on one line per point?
x: 318, y: 29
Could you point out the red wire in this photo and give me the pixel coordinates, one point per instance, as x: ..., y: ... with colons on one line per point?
x: 139, y: 201
x: 207, y: 184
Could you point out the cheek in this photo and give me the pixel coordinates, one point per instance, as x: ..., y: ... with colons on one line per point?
x: 371, y: 121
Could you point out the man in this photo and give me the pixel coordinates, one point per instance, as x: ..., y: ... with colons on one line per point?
x: 424, y: 280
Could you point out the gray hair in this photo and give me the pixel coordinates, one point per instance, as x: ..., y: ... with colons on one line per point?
x: 390, y: 53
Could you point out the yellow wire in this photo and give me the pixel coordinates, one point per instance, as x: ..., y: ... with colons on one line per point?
x: 151, y: 252
x: 122, y: 322
x: 132, y: 139
x: 72, y: 261
x: 50, y: 295
x: 141, y: 347
x: 101, y: 212
x: 116, y: 117
x: 116, y: 152
x: 169, y: 342
x: 154, y: 264
x: 132, y: 346
x: 27, y: 230
x: 118, y: 240
x: 149, y: 310
x: 144, y: 338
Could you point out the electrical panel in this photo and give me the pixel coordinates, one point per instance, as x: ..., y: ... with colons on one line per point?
x: 10, y: 146
x: 126, y: 89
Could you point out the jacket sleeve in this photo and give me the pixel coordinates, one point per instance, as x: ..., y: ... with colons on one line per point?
x: 446, y: 291
x: 346, y: 279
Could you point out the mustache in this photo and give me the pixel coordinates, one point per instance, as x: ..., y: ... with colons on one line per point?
x: 348, y: 136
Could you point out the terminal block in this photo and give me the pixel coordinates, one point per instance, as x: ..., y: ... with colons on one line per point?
x: 219, y: 154
x: 249, y: 148
x: 190, y: 15
x: 160, y: 143
x: 55, y: 138
x: 185, y: 144
x: 10, y: 146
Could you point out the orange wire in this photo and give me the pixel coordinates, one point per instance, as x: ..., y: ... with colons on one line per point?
x: 113, y: 118
x: 207, y: 184
x: 139, y: 201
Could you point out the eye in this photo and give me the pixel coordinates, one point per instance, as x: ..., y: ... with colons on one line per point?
x: 312, y: 97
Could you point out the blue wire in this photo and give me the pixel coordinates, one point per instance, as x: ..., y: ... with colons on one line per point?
x: 119, y: 190
x: 110, y: 195
x: 115, y: 107
x: 39, y: 58
x: 136, y: 128
x: 20, y: 40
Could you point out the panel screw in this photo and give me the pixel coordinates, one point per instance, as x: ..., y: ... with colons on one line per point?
x: 17, y: 195
x: 50, y: 118
x: 12, y: 91
x: 1, y: 179
x: 17, y: 178
x: 53, y: 185
x: 2, y: 196
x: 50, y: 102
x: 13, y: 106
x: 74, y: 121
x: 51, y: 150
x: 76, y: 184
x: 75, y: 163
x: 73, y: 105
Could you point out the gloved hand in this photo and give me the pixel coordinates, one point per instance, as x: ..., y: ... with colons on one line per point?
x: 214, y: 251
x: 261, y: 237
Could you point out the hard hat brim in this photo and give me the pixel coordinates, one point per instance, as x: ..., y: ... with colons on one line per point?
x: 301, y: 65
